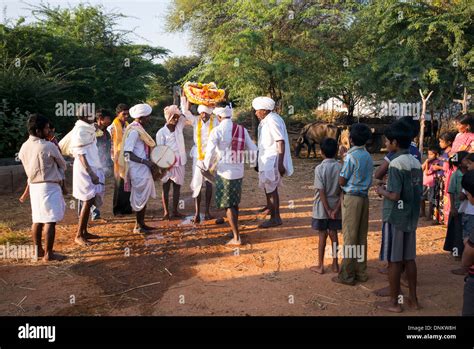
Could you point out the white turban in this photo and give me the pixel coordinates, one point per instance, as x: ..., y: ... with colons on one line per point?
x: 223, y: 112
x: 140, y: 110
x: 171, y: 111
x: 263, y: 103
x: 205, y: 109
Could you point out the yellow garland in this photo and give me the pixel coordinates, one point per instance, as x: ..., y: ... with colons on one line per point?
x: 199, y: 138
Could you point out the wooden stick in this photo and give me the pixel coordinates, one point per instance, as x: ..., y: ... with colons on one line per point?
x: 130, y: 289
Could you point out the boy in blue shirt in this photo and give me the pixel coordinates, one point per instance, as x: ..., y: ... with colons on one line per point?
x: 355, y: 180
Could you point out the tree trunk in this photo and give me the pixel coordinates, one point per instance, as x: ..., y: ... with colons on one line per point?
x: 463, y: 101
x: 424, y: 100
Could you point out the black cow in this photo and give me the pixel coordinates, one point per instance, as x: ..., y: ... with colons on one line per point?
x: 315, y: 133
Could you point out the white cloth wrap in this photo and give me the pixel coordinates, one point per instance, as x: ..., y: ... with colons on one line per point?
x: 143, y: 186
x: 176, y: 174
x: 47, y: 202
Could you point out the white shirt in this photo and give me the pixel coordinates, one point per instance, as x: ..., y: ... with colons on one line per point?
x: 90, y: 150
x: 174, y: 140
x: 220, y: 142
x: 194, y: 120
x: 134, y: 144
x: 270, y: 130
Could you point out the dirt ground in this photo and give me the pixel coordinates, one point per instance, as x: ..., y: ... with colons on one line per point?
x: 192, y: 272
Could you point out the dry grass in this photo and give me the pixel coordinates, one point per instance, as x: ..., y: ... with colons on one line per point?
x: 8, y: 235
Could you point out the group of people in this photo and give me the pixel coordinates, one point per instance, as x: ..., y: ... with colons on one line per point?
x: 341, y: 203
x: 100, y: 144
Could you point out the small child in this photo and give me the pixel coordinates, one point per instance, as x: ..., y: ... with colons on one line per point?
x: 443, y: 203
x: 401, y: 208
x: 469, y: 161
x: 327, y: 203
x: 429, y: 177
x: 453, y: 242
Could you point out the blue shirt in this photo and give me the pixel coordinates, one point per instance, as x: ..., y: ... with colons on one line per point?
x: 357, y: 170
x: 413, y: 150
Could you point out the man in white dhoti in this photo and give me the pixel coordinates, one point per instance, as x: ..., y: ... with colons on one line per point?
x: 44, y: 166
x: 171, y: 135
x: 88, y: 173
x: 202, y: 124
x: 274, y: 156
x: 135, y: 166
x: 227, y: 143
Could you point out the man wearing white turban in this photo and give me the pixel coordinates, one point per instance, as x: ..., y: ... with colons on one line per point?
x: 228, y: 142
x: 135, y: 166
x: 171, y: 135
x: 274, y: 157
x: 88, y: 174
x: 202, y: 124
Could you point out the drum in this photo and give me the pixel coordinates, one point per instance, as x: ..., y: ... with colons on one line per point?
x: 164, y: 158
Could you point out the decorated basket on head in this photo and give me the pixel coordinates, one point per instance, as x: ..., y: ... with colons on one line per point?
x: 203, y: 94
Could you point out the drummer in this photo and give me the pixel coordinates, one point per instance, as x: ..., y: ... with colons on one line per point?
x: 135, y: 165
x: 171, y: 135
x: 203, y: 124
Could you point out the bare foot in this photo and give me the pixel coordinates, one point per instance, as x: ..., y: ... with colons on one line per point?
x: 319, y: 269
x: 22, y: 199
x: 404, y: 280
x: 208, y: 217
x: 147, y: 227
x: 178, y: 215
x: 166, y: 217
x: 413, y: 305
x: 40, y: 252
x: 82, y: 241
x: 196, y: 219
x: 48, y: 257
x: 459, y: 271
x: 234, y: 242
x: 389, y: 306
x: 382, y: 292
x: 336, y: 280
x: 270, y: 224
x: 335, y: 267
x: 91, y: 236
x: 220, y: 220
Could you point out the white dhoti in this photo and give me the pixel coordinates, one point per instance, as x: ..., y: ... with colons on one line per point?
x: 143, y: 186
x: 198, y: 179
x: 82, y: 187
x: 176, y: 174
x: 47, y: 202
x: 269, y: 179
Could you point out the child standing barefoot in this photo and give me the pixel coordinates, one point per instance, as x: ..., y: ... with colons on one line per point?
x: 401, y: 208
x: 327, y: 203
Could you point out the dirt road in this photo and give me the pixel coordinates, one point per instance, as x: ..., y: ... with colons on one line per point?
x: 191, y: 272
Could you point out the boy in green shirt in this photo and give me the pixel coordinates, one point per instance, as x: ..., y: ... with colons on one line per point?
x: 401, y: 209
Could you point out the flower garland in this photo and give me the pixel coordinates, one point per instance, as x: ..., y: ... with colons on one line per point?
x: 199, y: 138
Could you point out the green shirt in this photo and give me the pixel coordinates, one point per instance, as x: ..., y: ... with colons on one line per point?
x: 455, y: 187
x: 406, y: 178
